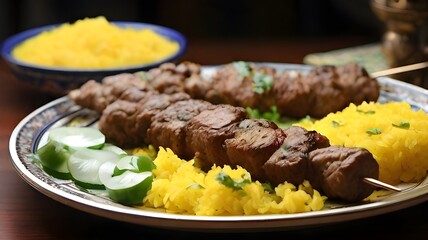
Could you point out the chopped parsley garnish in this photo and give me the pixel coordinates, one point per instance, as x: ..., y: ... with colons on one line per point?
x: 143, y: 75
x: 268, y: 188
x: 366, y: 112
x: 272, y: 115
x: 243, y: 69
x: 227, y: 181
x: 336, y: 124
x: 253, y: 112
x: 403, y: 125
x: 374, y: 131
x: 262, y: 82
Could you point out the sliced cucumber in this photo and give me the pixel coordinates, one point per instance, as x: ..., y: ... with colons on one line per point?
x: 113, y: 148
x: 81, y: 154
x: 85, y: 163
x: 135, y: 163
x: 129, y: 188
x: 53, y: 157
x: 78, y: 137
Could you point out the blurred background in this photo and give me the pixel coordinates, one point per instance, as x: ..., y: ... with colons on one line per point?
x: 225, y: 19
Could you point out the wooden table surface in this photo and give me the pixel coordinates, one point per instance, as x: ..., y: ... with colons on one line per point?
x: 26, y: 213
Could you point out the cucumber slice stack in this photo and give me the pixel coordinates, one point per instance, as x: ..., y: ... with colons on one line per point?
x: 82, y: 155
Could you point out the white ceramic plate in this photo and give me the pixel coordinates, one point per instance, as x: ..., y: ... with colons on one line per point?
x: 30, y: 130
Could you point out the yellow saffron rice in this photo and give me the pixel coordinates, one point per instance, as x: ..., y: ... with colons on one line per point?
x: 94, y: 43
x: 180, y: 187
x: 396, y: 135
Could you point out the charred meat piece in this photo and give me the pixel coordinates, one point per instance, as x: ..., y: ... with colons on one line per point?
x: 334, y: 88
x: 323, y: 90
x: 328, y: 94
x: 134, y: 94
x: 170, y: 78
x: 93, y: 95
x: 339, y: 172
x: 119, y: 124
x: 197, y: 87
x: 292, y: 94
x: 168, y: 126
x: 97, y: 96
x: 254, y: 142
x: 150, y: 106
x: 207, y: 132
x: 242, y: 84
x: 291, y: 161
x: 125, y: 123
x: 356, y: 79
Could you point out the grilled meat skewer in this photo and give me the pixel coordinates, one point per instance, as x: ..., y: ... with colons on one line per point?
x: 223, y: 134
x: 320, y: 91
x: 135, y: 112
x: 315, y: 93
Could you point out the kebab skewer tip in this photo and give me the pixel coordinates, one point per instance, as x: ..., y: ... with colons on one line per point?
x: 380, y: 184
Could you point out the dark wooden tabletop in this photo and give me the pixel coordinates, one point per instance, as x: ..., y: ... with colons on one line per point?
x: 26, y: 213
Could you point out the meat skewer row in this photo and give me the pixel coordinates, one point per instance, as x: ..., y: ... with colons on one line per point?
x: 223, y: 134
x: 316, y: 93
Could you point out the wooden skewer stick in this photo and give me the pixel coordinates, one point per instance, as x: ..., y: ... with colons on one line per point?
x: 387, y: 72
x: 402, y: 69
x: 381, y: 184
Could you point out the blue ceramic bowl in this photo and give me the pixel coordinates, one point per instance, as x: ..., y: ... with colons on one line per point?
x: 59, y: 81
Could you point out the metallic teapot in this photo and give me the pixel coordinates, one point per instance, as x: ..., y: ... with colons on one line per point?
x: 405, y: 39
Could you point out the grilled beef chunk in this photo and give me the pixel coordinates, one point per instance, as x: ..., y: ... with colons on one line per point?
x: 323, y: 90
x: 339, y: 172
x: 196, y: 86
x: 356, y: 79
x: 290, y: 162
x: 97, y: 96
x: 168, y: 126
x: 254, y: 142
x: 328, y: 93
x: 206, y: 133
x: 170, y: 78
x: 125, y: 123
x: 236, y: 84
x: 134, y: 94
x: 333, y: 88
x: 150, y: 106
x: 119, y: 124
x: 292, y: 94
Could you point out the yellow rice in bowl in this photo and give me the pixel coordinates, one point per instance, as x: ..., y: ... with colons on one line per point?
x: 95, y: 43
x: 180, y: 187
x: 396, y: 135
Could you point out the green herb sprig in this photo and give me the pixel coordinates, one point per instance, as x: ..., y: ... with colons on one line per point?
x: 374, y: 131
x: 402, y: 125
x: 272, y: 115
x: 227, y: 181
x: 243, y: 68
x: 261, y: 82
x: 336, y: 124
x: 366, y: 112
